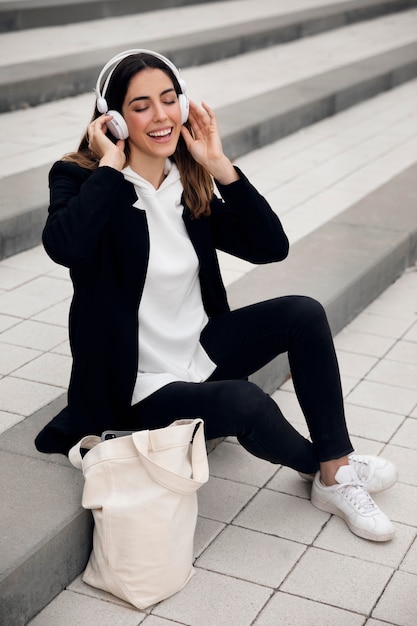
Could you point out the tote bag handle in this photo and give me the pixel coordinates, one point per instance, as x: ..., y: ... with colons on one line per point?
x: 87, y: 443
x: 179, y: 433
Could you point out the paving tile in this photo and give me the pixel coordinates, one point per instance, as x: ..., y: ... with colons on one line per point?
x: 56, y: 314
x: 383, y: 397
x: 221, y: 600
x: 366, y: 446
x: 233, y: 462
x: 355, y: 365
x: 406, y: 434
x: 7, y: 420
x: 282, y: 515
x: 51, y: 369
x: 59, y: 271
x: 390, y: 553
x: 403, y: 351
x: 291, y: 610
x: 11, y: 277
x: 24, y: 397
x: 398, y: 604
x: 221, y: 500
x: 362, y: 343
x: 399, y: 503
x: 13, y: 357
x: 371, y: 423
x: 289, y: 405
x: 35, y: 335
x: 21, y: 305
x: 348, y: 384
x: 395, y: 373
x: 78, y: 586
x: 252, y: 556
x: 153, y: 620
x: 206, y: 531
x: 411, y: 334
x: 338, y: 580
x: 36, y: 257
x: 409, y: 564
x: 382, y: 325
x: 392, y: 306
x: 405, y: 459
x: 402, y: 288
x: 286, y: 480
x: 62, y: 348
x: 51, y: 290
x: 69, y: 609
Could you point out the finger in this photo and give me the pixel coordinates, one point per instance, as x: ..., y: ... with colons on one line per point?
x: 200, y: 122
x: 209, y: 110
x: 100, y: 122
x: 188, y: 138
x: 198, y: 112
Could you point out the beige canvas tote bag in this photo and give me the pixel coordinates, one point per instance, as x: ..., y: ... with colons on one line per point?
x: 142, y: 491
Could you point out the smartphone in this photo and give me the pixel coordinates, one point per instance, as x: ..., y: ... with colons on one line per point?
x: 112, y: 434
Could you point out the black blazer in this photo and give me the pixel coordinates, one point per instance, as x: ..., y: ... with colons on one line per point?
x: 93, y: 229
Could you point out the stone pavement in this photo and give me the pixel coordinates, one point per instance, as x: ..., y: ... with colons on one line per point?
x: 345, y: 190
x: 264, y: 555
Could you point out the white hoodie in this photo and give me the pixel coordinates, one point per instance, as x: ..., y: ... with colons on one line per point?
x: 171, y: 312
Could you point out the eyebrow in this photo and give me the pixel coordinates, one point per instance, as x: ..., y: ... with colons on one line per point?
x: 163, y: 93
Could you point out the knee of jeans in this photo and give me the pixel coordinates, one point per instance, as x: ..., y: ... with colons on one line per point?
x: 310, y: 310
x: 248, y: 402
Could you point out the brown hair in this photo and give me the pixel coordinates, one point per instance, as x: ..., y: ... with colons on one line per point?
x: 196, y: 180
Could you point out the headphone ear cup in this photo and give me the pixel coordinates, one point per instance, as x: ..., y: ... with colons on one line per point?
x: 184, y: 107
x: 117, y: 126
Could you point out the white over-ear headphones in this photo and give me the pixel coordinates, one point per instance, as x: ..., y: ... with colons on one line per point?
x: 117, y: 125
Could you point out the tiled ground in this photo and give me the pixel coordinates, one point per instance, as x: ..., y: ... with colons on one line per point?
x: 264, y: 555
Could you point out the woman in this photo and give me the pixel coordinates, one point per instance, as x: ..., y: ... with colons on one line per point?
x: 134, y: 217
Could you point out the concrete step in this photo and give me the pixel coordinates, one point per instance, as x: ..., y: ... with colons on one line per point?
x: 26, y: 14
x: 292, y: 86
x: 193, y: 36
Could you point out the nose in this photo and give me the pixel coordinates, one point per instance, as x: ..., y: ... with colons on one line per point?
x: 159, y: 112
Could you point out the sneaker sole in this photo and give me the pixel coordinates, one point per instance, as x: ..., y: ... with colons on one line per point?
x: 360, y: 532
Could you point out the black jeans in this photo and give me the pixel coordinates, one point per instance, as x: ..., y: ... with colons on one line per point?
x: 242, y: 341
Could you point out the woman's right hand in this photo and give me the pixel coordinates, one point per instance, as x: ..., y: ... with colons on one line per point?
x: 109, y: 153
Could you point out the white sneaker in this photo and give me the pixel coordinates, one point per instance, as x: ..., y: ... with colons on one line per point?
x: 372, y: 472
x: 350, y: 500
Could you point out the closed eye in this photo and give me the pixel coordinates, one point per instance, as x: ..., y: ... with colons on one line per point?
x: 144, y: 108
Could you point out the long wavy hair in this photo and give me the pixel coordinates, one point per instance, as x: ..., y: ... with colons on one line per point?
x: 196, y: 180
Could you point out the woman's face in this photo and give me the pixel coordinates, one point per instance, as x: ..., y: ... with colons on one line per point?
x: 152, y: 113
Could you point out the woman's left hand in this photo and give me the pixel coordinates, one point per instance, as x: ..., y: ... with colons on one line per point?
x: 206, y: 146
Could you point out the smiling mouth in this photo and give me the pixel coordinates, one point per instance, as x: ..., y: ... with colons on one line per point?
x: 161, y: 134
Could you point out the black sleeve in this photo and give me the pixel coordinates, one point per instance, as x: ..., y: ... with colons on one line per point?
x: 81, y: 204
x: 245, y: 225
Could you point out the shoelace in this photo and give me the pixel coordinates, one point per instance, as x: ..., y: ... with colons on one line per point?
x: 361, y: 467
x: 358, y: 496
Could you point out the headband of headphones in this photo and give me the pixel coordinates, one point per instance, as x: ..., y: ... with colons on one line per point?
x: 111, y: 66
